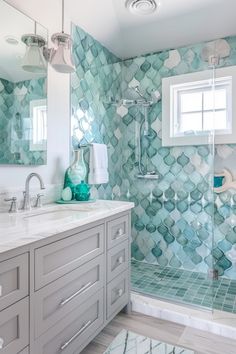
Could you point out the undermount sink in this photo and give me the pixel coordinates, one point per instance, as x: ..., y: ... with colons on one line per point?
x: 52, y: 214
x: 55, y: 214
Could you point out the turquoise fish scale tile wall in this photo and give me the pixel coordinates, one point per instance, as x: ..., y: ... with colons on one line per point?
x: 15, y: 121
x: 172, y: 221
x: 97, y: 78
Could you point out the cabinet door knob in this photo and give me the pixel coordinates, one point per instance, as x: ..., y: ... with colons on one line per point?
x: 120, y: 260
x: 120, y: 232
x: 120, y: 292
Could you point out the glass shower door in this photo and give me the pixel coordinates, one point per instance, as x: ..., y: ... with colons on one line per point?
x: 172, y: 226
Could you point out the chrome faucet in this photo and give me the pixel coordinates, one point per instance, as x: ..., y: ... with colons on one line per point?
x: 26, y: 202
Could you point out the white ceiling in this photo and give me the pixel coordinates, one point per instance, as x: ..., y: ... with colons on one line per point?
x: 176, y: 23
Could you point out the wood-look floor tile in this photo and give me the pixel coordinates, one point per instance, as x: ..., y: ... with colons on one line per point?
x: 199, y: 341
x: 206, y: 342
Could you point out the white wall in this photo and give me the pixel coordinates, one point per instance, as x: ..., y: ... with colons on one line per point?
x: 48, y: 13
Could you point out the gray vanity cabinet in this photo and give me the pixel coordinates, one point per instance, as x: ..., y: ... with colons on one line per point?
x: 117, y: 231
x: 69, y: 335
x: 13, y: 280
x: 66, y: 294
x: 59, y: 293
x: 61, y: 257
x: 14, y: 327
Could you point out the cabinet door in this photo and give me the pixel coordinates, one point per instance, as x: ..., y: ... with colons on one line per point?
x: 73, y: 331
x: 117, y: 260
x: 117, y: 231
x: 61, y: 257
x: 57, y: 299
x: 13, y: 280
x: 117, y: 294
x: 14, y: 328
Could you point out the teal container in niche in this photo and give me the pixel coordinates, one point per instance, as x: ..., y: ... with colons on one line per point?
x: 82, y: 192
x: 218, y: 181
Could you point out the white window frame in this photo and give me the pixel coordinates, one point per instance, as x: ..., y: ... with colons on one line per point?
x: 34, y: 146
x: 170, y: 84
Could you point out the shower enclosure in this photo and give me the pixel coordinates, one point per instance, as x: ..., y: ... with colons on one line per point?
x: 183, y: 232
x: 180, y: 226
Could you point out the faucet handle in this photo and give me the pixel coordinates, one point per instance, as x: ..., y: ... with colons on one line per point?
x: 38, y: 203
x: 14, y: 206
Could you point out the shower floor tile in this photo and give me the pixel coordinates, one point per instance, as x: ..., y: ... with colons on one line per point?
x: 183, y: 286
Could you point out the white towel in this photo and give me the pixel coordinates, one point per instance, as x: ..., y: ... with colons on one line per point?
x: 98, y: 165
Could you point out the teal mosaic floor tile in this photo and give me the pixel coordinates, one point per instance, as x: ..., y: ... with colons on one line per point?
x: 183, y: 286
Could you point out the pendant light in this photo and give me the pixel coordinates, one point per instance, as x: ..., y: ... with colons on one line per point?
x: 34, y: 60
x: 61, y: 57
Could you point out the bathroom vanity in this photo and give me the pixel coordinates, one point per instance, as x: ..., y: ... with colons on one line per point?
x: 64, y: 274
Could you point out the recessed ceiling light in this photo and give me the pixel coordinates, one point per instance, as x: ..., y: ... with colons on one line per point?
x: 11, y: 40
x: 142, y: 7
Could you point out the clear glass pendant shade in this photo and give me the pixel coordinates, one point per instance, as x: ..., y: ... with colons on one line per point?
x: 34, y: 60
x: 61, y: 56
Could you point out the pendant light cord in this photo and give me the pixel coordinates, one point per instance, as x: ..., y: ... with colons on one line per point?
x: 63, y: 9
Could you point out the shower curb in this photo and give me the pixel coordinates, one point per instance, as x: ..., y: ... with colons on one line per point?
x: 220, y: 323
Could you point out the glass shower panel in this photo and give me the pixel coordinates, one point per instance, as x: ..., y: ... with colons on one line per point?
x: 172, y: 191
x: 224, y: 238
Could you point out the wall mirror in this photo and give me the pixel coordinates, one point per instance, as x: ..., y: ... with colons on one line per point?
x: 23, y: 89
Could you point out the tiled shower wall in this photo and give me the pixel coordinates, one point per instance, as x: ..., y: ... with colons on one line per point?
x: 172, y: 219
x: 15, y: 121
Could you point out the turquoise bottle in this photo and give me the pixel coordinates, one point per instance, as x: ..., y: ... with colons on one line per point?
x: 76, y: 172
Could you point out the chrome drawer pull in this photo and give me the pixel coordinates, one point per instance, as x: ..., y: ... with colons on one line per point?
x: 85, y: 287
x: 120, y: 232
x: 1, y: 343
x: 65, y: 345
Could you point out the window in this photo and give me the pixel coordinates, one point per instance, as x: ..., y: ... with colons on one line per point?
x: 192, y: 108
x: 38, y: 110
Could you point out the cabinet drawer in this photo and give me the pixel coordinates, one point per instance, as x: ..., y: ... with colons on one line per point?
x: 117, y: 260
x: 55, y: 260
x: 14, y: 328
x: 73, y: 331
x: 13, y: 280
x: 117, y: 231
x: 25, y: 351
x: 117, y: 294
x: 55, y: 300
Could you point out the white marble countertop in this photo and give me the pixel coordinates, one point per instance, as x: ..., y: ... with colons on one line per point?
x: 24, y: 228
